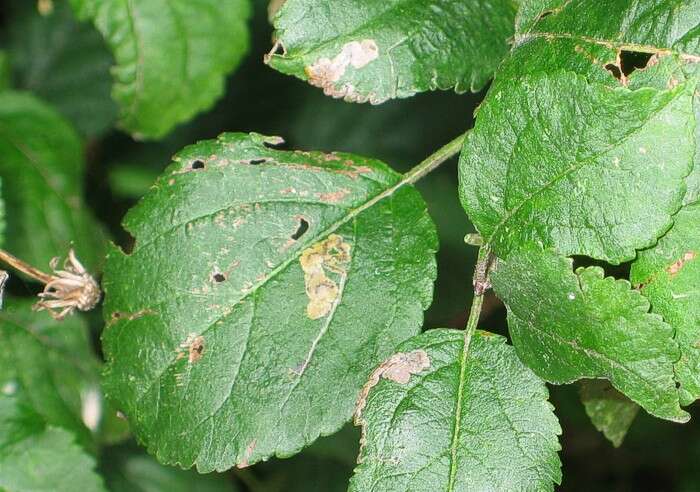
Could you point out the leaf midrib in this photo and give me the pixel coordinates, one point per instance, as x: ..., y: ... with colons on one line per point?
x: 405, y: 179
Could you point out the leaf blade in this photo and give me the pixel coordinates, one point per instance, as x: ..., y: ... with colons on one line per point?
x: 250, y: 276
x: 373, y: 51
x: 569, y: 325
x: 407, y: 412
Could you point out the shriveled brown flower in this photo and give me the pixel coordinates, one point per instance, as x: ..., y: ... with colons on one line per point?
x: 68, y: 289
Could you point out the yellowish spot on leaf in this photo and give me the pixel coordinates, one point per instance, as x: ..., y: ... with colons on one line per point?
x: 331, y: 255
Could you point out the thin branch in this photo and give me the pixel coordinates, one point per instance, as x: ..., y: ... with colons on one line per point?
x: 433, y: 161
x: 25, y: 268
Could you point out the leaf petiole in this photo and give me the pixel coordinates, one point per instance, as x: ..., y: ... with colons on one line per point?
x: 434, y: 160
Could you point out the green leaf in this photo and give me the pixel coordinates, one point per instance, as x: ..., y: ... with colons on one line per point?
x: 436, y: 419
x: 128, y: 470
x: 531, y: 11
x: 564, y: 152
x: 5, y: 74
x: 669, y: 276
x: 42, y: 173
x: 54, y: 365
x: 172, y: 56
x: 577, y: 167
x: 611, y: 412
x: 263, y: 288
x: 374, y: 50
x: 569, y: 325
x: 34, y: 456
x: 2, y: 226
x: 65, y: 63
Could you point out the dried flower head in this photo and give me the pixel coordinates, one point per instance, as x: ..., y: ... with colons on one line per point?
x: 68, y: 289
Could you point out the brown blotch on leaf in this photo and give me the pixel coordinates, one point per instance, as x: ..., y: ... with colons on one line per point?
x: 333, y: 196
x: 192, y: 348
x: 398, y: 368
x: 680, y: 263
x: 326, y: 73
x: 331, y: 255
x: 245, y: 462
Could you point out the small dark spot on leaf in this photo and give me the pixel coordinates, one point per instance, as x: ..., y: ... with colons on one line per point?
x: 615, y: 70
x: 301, y: 230
x: 197, y: 164
x: 116, y: 315
x: 219, y: 277
x: 633, y: 60
x: 255, y: 162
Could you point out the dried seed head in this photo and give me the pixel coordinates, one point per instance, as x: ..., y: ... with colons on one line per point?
x: 69, y: 289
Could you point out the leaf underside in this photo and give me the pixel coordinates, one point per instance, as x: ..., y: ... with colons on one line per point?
x: 439, y: 425
x: 611, y: 412
x: 263, y: 288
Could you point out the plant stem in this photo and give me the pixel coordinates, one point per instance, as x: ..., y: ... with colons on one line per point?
x: 480, y: 283
x: 25, y: 268
x: 480, y: 277
x: 433, y: 161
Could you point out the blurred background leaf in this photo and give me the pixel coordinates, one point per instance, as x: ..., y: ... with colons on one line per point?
x: 64, y: 62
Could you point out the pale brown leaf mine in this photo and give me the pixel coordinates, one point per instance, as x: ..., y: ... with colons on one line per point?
x: 332, y: 254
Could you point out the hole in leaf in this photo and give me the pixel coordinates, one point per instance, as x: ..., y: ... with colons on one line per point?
x: 301, y: 230
x: 255, y: 162
x: 615, y: 70
x: 219, y: 277
x: 619, y: 272
x: 197, y: 164
x: 633, y: 60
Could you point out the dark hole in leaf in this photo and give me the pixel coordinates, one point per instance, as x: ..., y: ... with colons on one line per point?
x: 197, y: 164
x: 255, y: 162
x: 615, y: 70
x: 619, y: 272
x: 633, y: 60
x: 301, y: 230
x: 219, y: 277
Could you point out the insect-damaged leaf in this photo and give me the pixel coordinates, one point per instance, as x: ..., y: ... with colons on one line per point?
x: 172, y: 56
x: 263, y: 288
x: 669, y: 276
x: 583, y: 169
x: 35, y: 456
x: 374, y: 50
x: 573, y: 148
x: 434, y: 419
x: 42, y: 169
x: 569, y: 325
x: 611, y: 412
